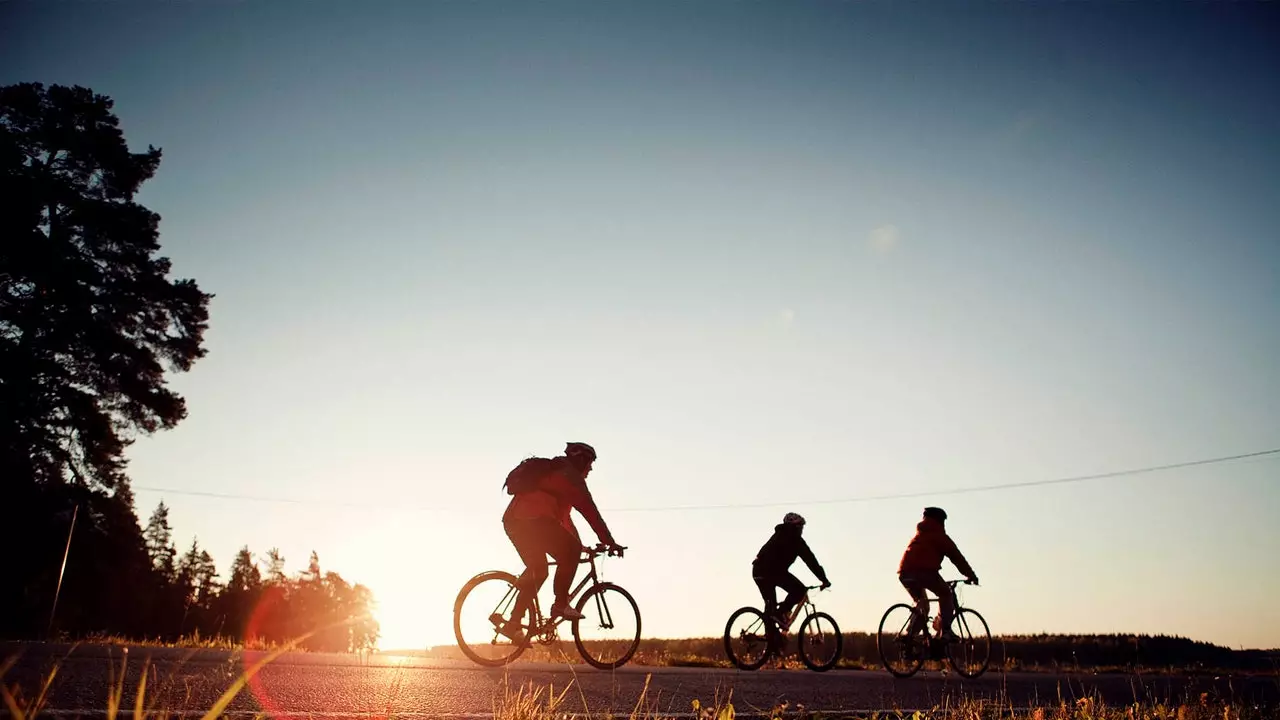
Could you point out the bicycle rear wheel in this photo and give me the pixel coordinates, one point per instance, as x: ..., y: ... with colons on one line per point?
x: 970, y: 652
x: 746, y: 639
x: 609, y: 632
x: 820, y: 642
x: 902, y: 652
x: 482, y: 605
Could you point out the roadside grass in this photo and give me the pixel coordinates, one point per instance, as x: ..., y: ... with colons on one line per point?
x: 532, y: 701
x: 193, y: 641
x: 708, y: 652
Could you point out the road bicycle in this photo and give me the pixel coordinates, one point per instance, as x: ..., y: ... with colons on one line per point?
x: 746, y: 640
x: 607, y: 635
x: 904, y: 641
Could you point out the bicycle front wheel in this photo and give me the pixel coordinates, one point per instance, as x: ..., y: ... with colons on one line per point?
x: 483, y: 605
x: 970, y: 652
x: 902, y: 645
x: 746, y: 639
x: 609, y: 632
x: 820, y: 642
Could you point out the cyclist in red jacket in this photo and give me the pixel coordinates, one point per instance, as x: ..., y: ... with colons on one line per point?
x: 538, y: 523
x: 921, y: 566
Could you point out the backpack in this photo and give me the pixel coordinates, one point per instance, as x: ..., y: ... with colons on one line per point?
x: 526, y: 476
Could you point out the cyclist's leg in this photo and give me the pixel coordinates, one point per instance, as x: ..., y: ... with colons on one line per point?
x: 565, y: 548
x: 525, y: 536
x: 764, y: 581
x: 915, y: 587
x: 795, y: 591
x: 946, y: 604
x: 767, y: 583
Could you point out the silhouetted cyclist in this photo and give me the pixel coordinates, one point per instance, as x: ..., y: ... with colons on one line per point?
x: 921, y: 566
x: 537, y: 521
x: 772, y: 570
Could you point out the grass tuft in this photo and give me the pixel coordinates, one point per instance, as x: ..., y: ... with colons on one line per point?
x: 535, y: 701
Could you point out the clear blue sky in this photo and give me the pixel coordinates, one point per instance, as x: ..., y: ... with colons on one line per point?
x: 755, y: 254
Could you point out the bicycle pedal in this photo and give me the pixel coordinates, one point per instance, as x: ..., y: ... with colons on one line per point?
x: 496, y: 619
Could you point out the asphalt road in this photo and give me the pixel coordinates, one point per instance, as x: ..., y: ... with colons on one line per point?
x: 317, y: 685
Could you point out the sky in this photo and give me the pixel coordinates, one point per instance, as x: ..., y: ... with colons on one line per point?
x: 764, y: 257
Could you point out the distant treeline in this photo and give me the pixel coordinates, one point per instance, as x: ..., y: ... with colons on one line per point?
x: 1014, y: 652
x: 126, y: 581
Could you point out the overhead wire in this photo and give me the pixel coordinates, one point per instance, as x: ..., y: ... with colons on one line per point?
x: 736, y: 506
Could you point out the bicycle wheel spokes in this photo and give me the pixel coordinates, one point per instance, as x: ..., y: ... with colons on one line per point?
x: 901, y: 641
x: 746, y: 639
x: 820, y: 642
x: 970, y: 652
x: 609, y: 632
x: 483, y: 607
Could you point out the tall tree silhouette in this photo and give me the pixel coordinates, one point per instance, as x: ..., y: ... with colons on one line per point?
x: 159, y: 537
x: 187, y: 569
x: 275, y: 567
x: 89, y: 325
x: 89, y: 320
x: 245, y: 575
x: 241, y: 594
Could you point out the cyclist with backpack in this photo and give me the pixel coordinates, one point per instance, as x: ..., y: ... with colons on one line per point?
x: 538, y: 522
x: 771, y: 570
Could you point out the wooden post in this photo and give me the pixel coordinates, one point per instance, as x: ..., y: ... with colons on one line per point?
x: 63, y: 571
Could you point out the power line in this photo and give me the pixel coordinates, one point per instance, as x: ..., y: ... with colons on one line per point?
x: 960, y: 491
x: 735, y: 506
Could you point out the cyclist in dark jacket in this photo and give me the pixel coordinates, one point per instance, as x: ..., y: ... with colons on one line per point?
x: 772, y: 568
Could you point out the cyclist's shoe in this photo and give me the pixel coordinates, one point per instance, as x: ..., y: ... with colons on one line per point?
x: 566, y: 612
x: 512, y: 631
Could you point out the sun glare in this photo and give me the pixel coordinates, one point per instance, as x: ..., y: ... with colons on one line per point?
x: 414, y: 602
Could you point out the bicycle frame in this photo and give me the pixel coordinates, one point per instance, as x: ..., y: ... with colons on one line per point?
x: 957, y: 606
x: 591, y: 578
x: 929, y: 618
x: 541, y: 625
x: 806, y: 605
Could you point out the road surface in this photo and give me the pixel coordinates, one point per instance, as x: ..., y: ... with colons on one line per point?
x: 331, y: 686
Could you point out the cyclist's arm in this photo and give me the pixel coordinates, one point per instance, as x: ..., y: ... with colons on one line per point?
x: 811, y: 560
x: 953, y: 554
x: 580, y: 498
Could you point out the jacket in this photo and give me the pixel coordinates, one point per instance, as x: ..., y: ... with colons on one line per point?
x: 927, y: 549
x: 777, y: 554
x: 557, y: 494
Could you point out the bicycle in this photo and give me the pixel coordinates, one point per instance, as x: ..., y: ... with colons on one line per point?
x: 544, y: 630
x: 968, y: 655
x: 755, y: 634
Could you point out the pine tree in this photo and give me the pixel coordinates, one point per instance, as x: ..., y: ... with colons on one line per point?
x: 188, y: 567
x: 275, y: 567
x: 90, y: 320
x: 159, y: 538
x: 206, y: 578
x: 245, y: 576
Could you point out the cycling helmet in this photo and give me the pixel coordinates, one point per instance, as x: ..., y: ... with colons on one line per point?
x: 580, y: 450
x: 792, y: 519
x: 936, y: 513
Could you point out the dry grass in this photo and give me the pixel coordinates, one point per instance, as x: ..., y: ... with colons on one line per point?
x: 532, y: 701
x: 193, y: 641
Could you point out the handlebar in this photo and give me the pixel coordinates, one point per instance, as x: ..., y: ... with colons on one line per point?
x: 602, y: 549
x: 960, y: 581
